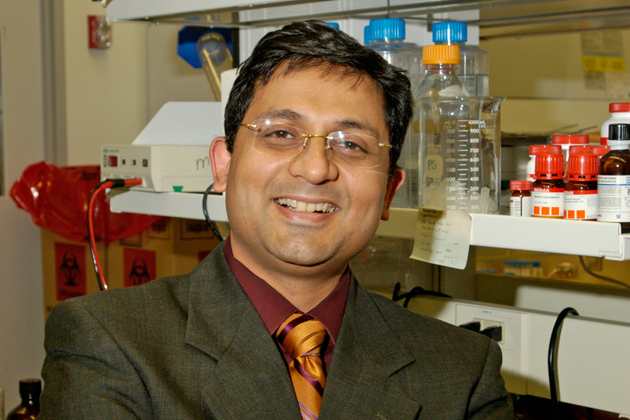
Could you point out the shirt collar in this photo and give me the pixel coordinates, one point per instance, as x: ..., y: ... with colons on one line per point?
x: 274, y: 308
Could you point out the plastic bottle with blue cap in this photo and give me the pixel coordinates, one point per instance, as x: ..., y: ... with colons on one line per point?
x: 473, y: 67
x: 387, y: 37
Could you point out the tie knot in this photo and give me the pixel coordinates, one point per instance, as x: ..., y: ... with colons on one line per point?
x: 301, y: 335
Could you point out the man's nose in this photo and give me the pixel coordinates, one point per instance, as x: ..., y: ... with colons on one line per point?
x: 313, y: 164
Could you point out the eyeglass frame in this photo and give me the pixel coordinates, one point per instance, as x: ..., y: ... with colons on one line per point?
x: 327, y: 137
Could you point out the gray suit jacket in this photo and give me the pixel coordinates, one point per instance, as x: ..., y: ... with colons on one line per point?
x: 194, y: 347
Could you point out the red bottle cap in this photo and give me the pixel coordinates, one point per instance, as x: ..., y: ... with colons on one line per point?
x: 619, y: 107
x: 550, y: 166
x: 570, y: 139
x: 585, y: 165
x: 537, y: 149
x: 600, y: 151
x: 582, y: 149
x: 521, y: 185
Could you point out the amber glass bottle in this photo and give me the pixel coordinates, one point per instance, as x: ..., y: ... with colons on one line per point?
x: 548, y: 188
x: 580, y: 195
x: 614, y: 177
x: 29, y: 408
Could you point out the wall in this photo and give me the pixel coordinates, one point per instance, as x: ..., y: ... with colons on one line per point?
x: 103, y: 93
x: 546, y: 85
x: 21, y: 300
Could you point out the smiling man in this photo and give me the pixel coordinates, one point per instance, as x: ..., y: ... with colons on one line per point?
x: 272, y: 325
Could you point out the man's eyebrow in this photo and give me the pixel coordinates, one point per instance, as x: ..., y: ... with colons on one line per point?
x: 287, y: 114
x: 360, y: 125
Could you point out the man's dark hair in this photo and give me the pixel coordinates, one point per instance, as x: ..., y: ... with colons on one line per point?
x: 317, y: 44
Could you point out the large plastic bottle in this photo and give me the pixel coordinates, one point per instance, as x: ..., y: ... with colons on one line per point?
x: 441, y: 79
x: 474, y: 64
x: 387, y: 37
x: 619, y: 114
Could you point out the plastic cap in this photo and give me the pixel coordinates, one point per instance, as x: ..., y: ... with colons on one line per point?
x: 570, y: 139
x: 333, y: 24
x: 600, y: 151
x: 619, y: 107
x: 387, y: 28
x: 582, y: 164
x: 440, y: 54
x: 581, y: 149
x: 367, y: 35
x: 521, y: 185
x: 450, y: 32
x: 552, y: 149
x: 619, y: 132
x: 550, y: 164
x: 30, y: 387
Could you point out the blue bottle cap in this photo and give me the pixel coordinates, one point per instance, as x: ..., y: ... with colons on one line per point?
x: 450, y: 32
x: 367, y: 35
x: 387, y: 28
x: 333, y: 24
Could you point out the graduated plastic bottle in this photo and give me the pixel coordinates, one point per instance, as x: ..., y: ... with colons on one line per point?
x: 387, y: 37
x: 474, y: 63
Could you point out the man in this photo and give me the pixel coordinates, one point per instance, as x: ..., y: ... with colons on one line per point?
x: 272, y: 325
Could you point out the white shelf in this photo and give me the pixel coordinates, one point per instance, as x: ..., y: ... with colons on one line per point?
x: 183, y: 205
x: 593, y: 239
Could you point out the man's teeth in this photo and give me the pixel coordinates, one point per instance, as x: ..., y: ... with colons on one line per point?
x: 306, y: 207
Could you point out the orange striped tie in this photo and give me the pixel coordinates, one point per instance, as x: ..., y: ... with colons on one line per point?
x: 302, y: 337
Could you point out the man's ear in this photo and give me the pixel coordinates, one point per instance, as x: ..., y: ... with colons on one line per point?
x: 394, y: 182
x: 220, y: 158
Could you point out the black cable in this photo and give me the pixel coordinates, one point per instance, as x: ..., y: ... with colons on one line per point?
x: 552, y: 361
x: 416, y: 291
x: 204, y: 207
x: 597, y: 276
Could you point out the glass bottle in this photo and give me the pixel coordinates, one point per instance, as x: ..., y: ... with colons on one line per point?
x: 613, y: 183
x: 580, y: 195
x: 548, y: 188
x: 473, y: 68
x: 30, y: 389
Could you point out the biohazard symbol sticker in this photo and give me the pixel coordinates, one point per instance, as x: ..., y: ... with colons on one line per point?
x: 139, y: 266
x: 70, y: 270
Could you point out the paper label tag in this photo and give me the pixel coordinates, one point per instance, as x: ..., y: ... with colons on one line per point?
x: 442, y: 237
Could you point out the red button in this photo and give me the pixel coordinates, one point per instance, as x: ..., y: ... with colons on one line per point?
x: 112, y: 161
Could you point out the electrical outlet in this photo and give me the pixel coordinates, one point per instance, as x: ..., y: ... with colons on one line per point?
x: 513, y: 343
x: 486, y: 323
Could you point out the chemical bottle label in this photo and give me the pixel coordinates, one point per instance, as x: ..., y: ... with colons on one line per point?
x: 521, y: 206
x: 613, y: 198
x: 548, y: 202
x: 580, y: 205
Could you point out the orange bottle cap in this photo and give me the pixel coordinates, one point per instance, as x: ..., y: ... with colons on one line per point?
x: 600, y: 151
x: 581, y: 149
x: 440, y: 54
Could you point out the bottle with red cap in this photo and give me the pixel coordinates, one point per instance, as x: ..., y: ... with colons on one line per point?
x: 619, y: 114
x: 521, y: 198
x: 613, y: 183
x: 538, y: 149
x: 567, y: 140
x: 599, y: 150
x: 580, y: 195
x: 580, y: 149
x: 548, y: 187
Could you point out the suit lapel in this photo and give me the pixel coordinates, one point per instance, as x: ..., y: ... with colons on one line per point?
x: 366, y: 358
x: 247, y: 377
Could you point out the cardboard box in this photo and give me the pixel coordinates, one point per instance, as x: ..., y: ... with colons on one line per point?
x: 169, y: 247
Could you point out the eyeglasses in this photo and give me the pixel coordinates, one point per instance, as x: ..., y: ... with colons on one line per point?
x: 278, y: 138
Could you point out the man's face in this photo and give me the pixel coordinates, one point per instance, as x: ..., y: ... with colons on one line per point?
x: 267, y: 235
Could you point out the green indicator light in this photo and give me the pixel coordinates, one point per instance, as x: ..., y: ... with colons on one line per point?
x: 178, y: 188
